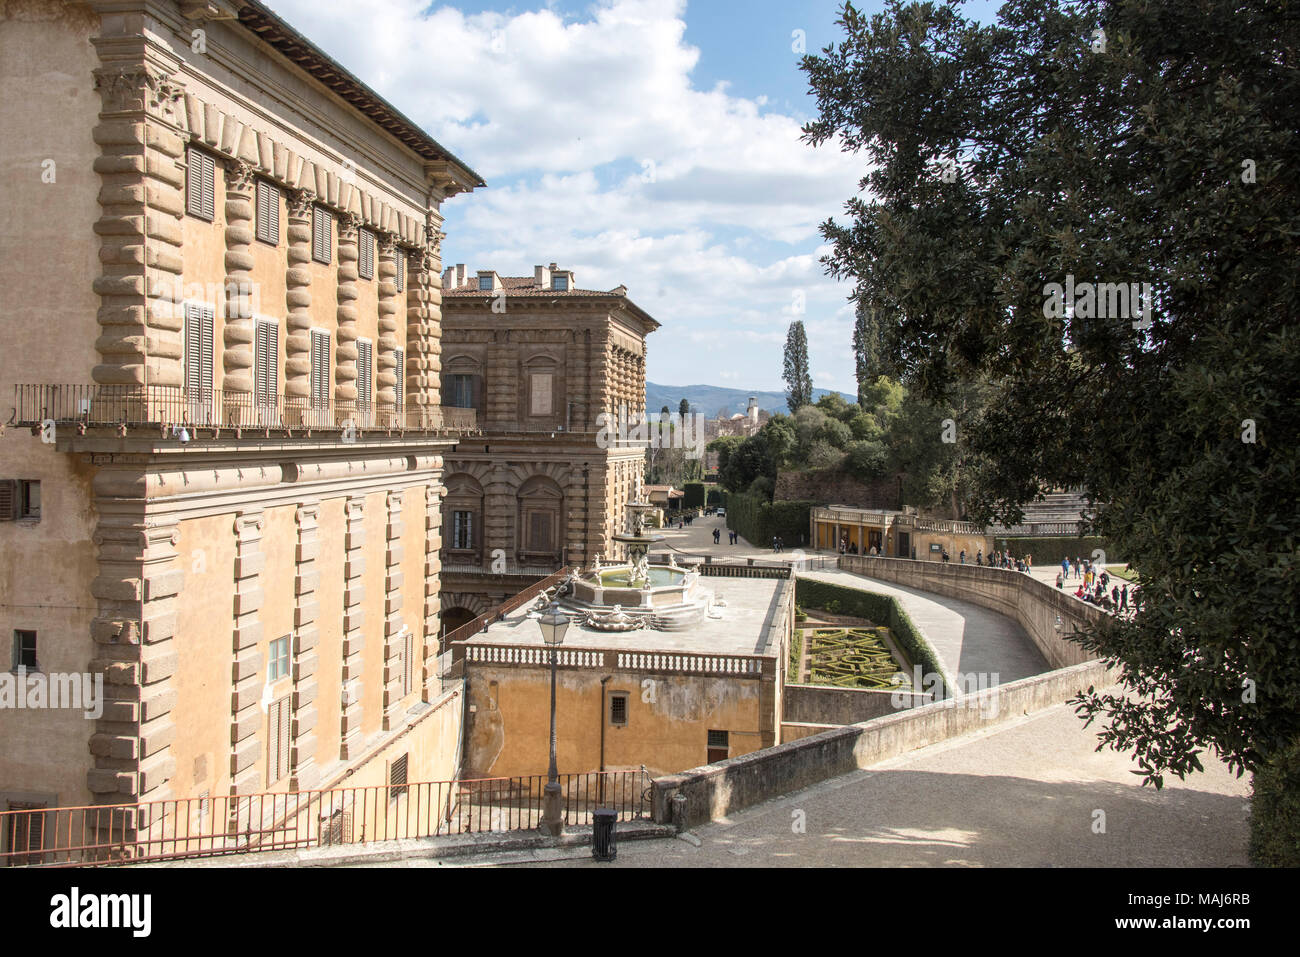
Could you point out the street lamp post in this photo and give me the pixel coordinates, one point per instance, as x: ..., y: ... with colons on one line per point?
x: 553, y: 624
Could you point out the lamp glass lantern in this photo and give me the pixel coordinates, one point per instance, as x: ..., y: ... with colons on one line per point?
x: 553, y: 624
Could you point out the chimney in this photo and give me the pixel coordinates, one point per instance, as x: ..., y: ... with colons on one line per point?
x: 542, y: 277
x: 460, y: 274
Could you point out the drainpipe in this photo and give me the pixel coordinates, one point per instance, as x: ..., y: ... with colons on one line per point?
x: 601, y: 779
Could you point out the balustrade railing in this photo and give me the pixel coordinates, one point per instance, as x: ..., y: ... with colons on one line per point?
x: 656, y: 662
x: 156, y: 406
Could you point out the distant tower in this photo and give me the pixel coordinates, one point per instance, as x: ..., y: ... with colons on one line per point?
x: 752, y: 411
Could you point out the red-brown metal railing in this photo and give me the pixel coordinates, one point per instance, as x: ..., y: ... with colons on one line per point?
x: 209, y: 827
x: 138, y: 406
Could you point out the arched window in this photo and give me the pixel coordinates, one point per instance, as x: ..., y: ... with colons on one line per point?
x: 541, y: 521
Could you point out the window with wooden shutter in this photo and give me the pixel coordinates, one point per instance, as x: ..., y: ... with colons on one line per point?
x: 539, y: 532
x: 200, y: 185
x: 408, y: 664
x: 365, y: 254
x: 399, y: 388
x: 322, y: 235
x: 320, y: 369
x: 267, y: 365
x: 399, y: 261
x: 268, y: 213
x: 8, y: 500
x: 198, y: 361
x: 462, y: 529
x: 365, y: 373
x: 397, y: 777
x: 277, y: 740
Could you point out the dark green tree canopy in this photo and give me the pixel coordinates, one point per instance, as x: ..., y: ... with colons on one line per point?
x: 798, y: 380
x: 1148, y: 145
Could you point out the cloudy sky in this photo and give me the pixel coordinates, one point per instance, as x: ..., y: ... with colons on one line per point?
x: 652, y: 143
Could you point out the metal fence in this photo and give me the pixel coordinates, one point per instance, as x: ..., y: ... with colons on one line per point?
x: 211, y: 827
x: 154, y: 406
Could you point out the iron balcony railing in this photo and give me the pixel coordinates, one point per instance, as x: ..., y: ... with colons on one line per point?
x: 210, y: 827
x: 159, y: 406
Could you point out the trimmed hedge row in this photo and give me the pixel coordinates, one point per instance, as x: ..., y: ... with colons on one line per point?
x: 759, y: 521
x: 717, y: 496
x: 694, y: 497
x: 880, y: 609
x: 1275, y: 811
x: 1050, y: 551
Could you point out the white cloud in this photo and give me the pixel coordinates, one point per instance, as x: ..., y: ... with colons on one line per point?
x: 602, y: 155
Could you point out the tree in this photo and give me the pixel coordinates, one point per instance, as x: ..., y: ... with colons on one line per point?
x: 798, y: 381
x: 1140, y: 141
x: 683, y: 408
x: 666, y: 411
x: 867, y: 348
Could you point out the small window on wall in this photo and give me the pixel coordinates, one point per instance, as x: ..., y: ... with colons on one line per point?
x: 462, y: 535
x: 399, y: 263
x: 618, y: 709
x: 24, y: 651
x: 279, y: 663
x: 397, y: 777
x: 719, y: 746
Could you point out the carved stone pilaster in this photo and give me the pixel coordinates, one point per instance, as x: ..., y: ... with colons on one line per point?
x: 297, y: 296
x: 140, y: 164
x: 354, y: 540
x: 388, y: 338
x: 431, y: 647
x: 136, y: 593
x: 500, y: 506
x: 345, y: 365
x: 424, y: 330
x: 237, y: 356
x: 395, y: 631
x: 247, y: 680
x: 303, y: 771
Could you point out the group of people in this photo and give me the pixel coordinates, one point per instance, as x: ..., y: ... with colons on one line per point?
x: 733, y: 538
x: 1001, y: 559
x: 1094, y: 581
x: 851, y: 548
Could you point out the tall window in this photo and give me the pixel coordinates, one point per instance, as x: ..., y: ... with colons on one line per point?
x: 268, y: 213
x: 267, y: 370
x: 618, y: 708
x: 399, y: 387
x: 365, y: 373
x: 322, y: 235
x: 462, y: 535
x: 399, y: 262
x: 24, y: 651
x: 200, y: 185
x: 365, y: 254
x: 320, y: 369
x: 460, y: 391
x: 198, y: 361
x: 277, y: 740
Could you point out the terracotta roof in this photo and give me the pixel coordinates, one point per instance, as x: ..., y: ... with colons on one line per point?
x: 523, y: 286
x: 260, y: 20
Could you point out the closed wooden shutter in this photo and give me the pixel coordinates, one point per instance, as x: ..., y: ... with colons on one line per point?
x: 539, y: 531
x: 397, y: 776
x: 366, y: 254
x: 198, y: 361
x: 320, y: 369
x: 8, y: 500
x: 322, y: 240
x: 277, y: 740
x: 399, y: 260
x: 268, y: 363
x: 268, y: 213
x: 365, y: 376
x: 408, y: 663
x: 399, y: 389
x: 200, y: 185
x: 26, y: 832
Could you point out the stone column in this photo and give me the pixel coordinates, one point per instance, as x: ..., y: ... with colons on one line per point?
x: 142, y: 146
x: 297, y: 296
x: 136, y: 593
x: 354, y: 564
x: 388, y: 339
x: 303, y: 772
x: 345, y: 365
x: 237, y: 355
x: 431, y: 646
x: 394, y: 629
x: 423, y: 332
x: 247, y: 680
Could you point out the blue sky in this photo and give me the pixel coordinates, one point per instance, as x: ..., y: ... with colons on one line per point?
x: 648, y: 143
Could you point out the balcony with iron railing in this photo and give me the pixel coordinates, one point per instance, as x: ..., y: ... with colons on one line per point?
x: 135, y: 407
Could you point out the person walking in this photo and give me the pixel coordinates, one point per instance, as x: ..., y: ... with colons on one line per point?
x: 1065, y: 567
x: 1123, y: 598
x: 979, y: 557
x: 717, y: 536
x: 1060, y: 580
x: 961, y: 559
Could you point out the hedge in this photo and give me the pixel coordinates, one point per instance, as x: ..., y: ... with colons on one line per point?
x: 1275, y: 811
x: 1050, y: 551
x: 759, y: 521
x: 717, y: 496
x: 694, y: 495
x: 811, y: 593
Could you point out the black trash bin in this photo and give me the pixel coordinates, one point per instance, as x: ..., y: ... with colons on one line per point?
x: 604, y: 846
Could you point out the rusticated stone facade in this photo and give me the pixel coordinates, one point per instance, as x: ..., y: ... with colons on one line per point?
x: 175, y: 564
x: 551, y: 370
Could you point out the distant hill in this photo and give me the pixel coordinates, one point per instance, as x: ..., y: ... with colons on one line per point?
x: 710, y: 399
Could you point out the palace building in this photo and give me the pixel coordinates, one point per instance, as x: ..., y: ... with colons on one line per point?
x: 222, y: 475
x: 550, y: 371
